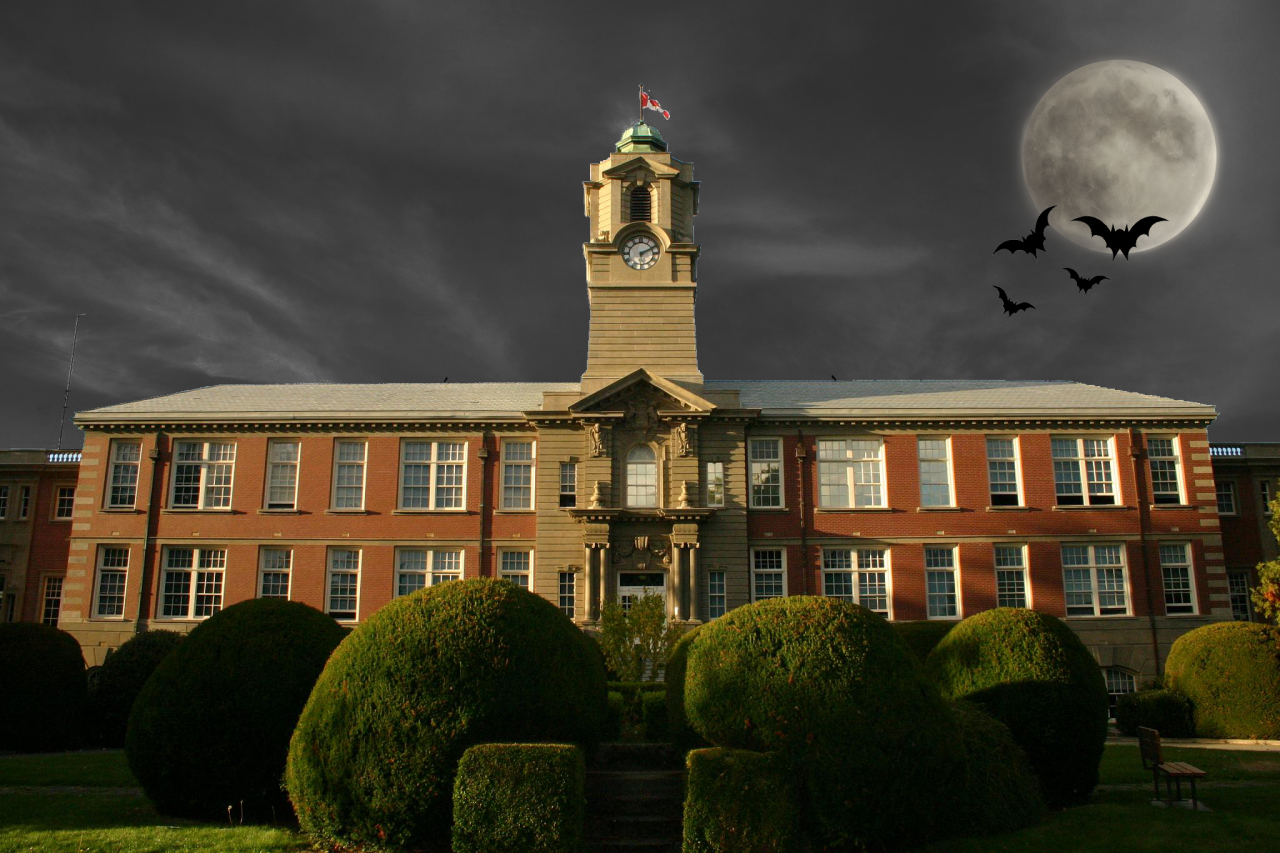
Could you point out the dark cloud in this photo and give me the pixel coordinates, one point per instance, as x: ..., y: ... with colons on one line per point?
x: 391, y: 191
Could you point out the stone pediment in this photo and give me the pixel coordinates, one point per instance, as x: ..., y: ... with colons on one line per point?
x: 641, y: 395
x: 621, y: 170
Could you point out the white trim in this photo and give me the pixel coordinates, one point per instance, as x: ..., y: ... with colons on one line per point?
x: 1029, y: 603
x: 1189, y: 564
x: 724, y: 592
x: 627, y: 476
x: 504, y: 573
x: 112, y: 464
x: 950, y: 464
x: 532, y: 462
x: 855, y: 573
x: 781, y: 549
x: 96, y: 592
x: 955, y: 578
x: 271, y: 463
x: 328, y: 580
x: 1015, y: 440
x: 707, y: 483
x: 54, y: 505
x: 287, y: 572
x: 203, y: 463
x: 433, y: 471
x: 429, y: 570
x: 193, y: 580
x: 1175, y: 442
x: 1082, y: 469
x: 751, y: 475
x: 1093, y: 569
x: 850, y: 466
x: 364, y: 473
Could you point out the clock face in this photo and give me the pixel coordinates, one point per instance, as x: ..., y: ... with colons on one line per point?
x: 640, y: 252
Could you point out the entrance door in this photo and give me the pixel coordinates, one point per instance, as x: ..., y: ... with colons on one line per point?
x: 632, y: 585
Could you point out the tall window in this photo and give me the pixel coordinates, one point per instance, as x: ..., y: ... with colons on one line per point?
x: 850, y: 472
x: 1119, y: 682
x: 1238, y: 590
x: 942, y: 602
x: 642, y: 477
x: 768, y: 573
x: 276, y: 565
x: 202, y: 474
x: 51, y: 604
x: 517, y: 474
x: 1175, y: 567
x: 766, y: 472
x: 858, y: 575
x: 1082, y: 472
x: 282, y: 473
x: 1226, y: 498
x: 24, y: 503
x: 342, y: 600
x: 715, y: 594
x: 1011, y: 576
x: 348, y: 474
x: 515, y: 566
x: 1094, y: 580
x: 432, y: 474
x: 65, y: 505
x: 568, y: 598
x: 1166, y: 479
x: 641, y: 204
x: 935, y: 471
x: 192, y: 583
x: 108, y: 594
x: 122, y: 488
x: 4, y: 502
x: 568, y: 484
x: 1002, y: 471
x: 418, y: 568
x: 715, y: 484
x: 1264, y: 490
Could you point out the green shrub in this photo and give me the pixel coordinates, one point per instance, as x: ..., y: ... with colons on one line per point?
x: 634, y: 712
x: 120, y: 679
x: 1031, y: 672
x: 211, y: 726
x: 999, y: 791
x: 519, y: 798
x: 43, y: 678
x: 429, y: 675
x: 921, y: 637
x: 741, y: 802
x: 678, y: 729
x: 832, y: 687
x: 614, y: 716
x: 1230, y: 671
x: 1163, y: 710
x: 653, y: 717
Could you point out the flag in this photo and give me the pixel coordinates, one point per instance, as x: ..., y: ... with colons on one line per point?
x: 649, y: 103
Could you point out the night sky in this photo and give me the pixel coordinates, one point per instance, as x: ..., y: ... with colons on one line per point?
x: 392, y: 192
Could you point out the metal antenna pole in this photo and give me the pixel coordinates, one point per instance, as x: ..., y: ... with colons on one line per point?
x: 641, y: 100
x: 66, y: 395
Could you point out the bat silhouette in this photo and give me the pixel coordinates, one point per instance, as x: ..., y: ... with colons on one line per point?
x: 1086, y: 283
x: 1120, y: 239
x: 1034, y: 241
x: 1011, y: 307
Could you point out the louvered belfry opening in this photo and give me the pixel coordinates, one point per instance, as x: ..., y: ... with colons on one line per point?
x: 641, y: 204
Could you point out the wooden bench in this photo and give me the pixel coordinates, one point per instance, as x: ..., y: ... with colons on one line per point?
x: 1174, y: 771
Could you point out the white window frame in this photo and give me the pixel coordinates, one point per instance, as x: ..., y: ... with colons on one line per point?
x: 508, y: 574
x: 1266, y: 496
x: 1094, y: 586
x: 1180, y: 495
x: 1129, y: 682
x: 274, y: 465
x: 949, y: 466
x: 855, y: 569
x: 1016, y: 459
x: 568, y: 485
x: 761, y: 465
x: 715, y: 484
x: 1165, y: 551
x: 51, y: 582
x: 24, y: 503
x: 1231, y: 496
x: 531, y: 463
x: 330, y: 572
x: 204, y: 463
x: 338, y: 462
x: 712, y: 595
x: 637, y: 491
x: 4, y: 502
x: 840, y: 467
x: 55, y: 509
x: 768, y: 570
x: 1238, y: 595
x: 435, y: 467
x: 195, y: 575
x: 567, y: 598
x: 100, y: 569
x: 1022, y: 568
x: 264, y: 570
x: 954, y: 570
x: 1082, y: 469
x: 123, y: 466
x: 431, y: 573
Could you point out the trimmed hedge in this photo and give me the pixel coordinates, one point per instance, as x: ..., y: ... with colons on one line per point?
x: 614, y: 715
x: 1163, y: 710
x: 44, y: 688
x: 921, y: 637
x: 741, y: 802
x: 641, y: 712
x: 1032, y: 673
x: 1230, y: 671
x: 519, y: 798
x: 678, y: 729
x: 120, y: 680
x: 999, y: 791
x: 211, y: 726
x: 653, y: 717
x: 373, y: 759
x: 832, y: 687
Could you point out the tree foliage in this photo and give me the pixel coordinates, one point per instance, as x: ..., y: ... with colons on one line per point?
x: 638, y: 643
x: 1266, y: 598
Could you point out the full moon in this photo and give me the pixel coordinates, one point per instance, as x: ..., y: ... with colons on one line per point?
x: 1119, y: 140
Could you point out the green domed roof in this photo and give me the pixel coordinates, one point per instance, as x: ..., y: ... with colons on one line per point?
x: 640, y: 137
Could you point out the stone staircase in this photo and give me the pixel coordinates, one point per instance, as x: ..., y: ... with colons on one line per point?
x: 635, y: 799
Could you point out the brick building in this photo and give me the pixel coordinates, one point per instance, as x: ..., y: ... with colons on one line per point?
x: 918, y: 499
x: 37, y: 500
x: 1247, y: 478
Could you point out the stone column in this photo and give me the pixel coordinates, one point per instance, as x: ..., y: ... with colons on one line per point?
x: 589, y: 585
x: 693, y: 584
x: 675, y: 610
x: 603, y: 590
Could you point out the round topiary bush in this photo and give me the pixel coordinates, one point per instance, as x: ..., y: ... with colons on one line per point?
x: 1231, y: 673
x: 211, y: 727
x: 43, y: 675
x: 921, y: 637
x: 678, y: 729
x: 999, y: 791
x: 833, y: 688
x: 1031, y: 672
x: 373, y: 759
x: 1163, y: 710
x: 120, y: 679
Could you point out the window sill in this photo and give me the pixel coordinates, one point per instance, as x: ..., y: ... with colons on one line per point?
x: 939, y: 509
x: 270, y: 511
x: 121, y: 510
x: 1019, y: 508
x: 459, y: 511
x: 347, y: 512
x: 1172, y: 506
x: 1095, y: 507
x: 59, y: 521
x: 1109, y: 616
x: 769, y: 508
x: 529, y: 511
x: 855, y: 509
x: 196, y: 511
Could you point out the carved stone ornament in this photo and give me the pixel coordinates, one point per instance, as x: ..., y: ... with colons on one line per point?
x: 602, y: 236
x: 684, y: 440
x: 596, y: 498
x: 684, y: 493
x: 640, y: 553
x: 596, y: 440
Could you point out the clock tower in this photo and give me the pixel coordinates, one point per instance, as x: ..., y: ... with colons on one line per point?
x: 641, y: 262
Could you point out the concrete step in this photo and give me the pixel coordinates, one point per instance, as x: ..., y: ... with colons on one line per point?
x: 636, y: 756
x: 608, y: 783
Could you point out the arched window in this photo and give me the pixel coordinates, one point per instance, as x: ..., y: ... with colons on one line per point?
x: 641, y: 204
x: 1119, y: 682
x: 642, y: 477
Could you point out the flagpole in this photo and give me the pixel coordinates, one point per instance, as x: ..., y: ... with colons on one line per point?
x: 640, y: 99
